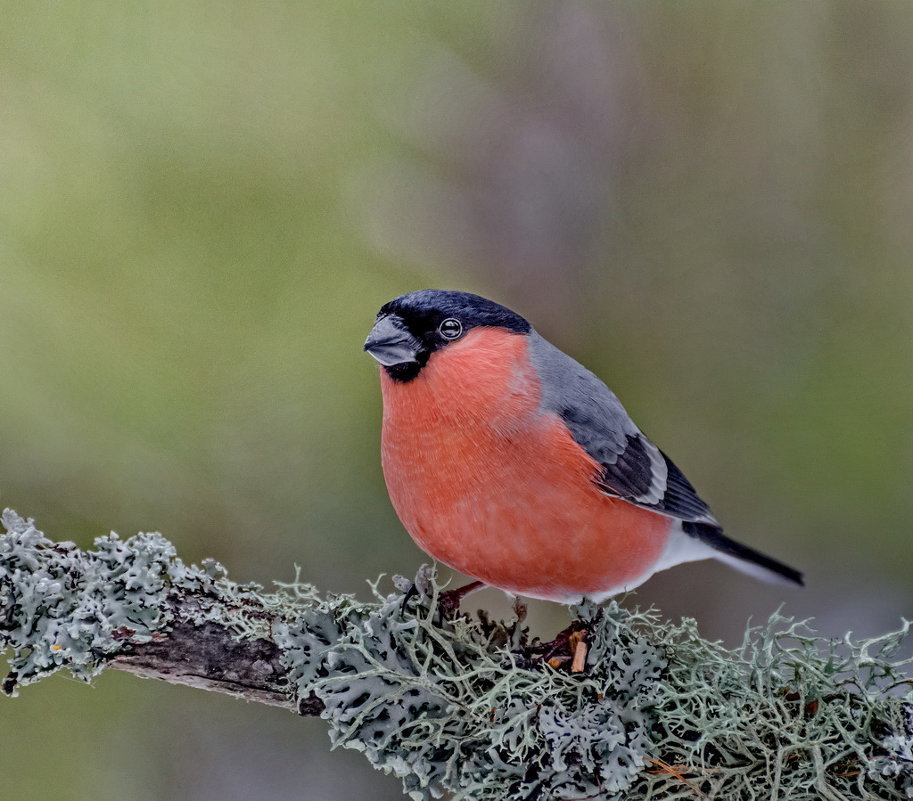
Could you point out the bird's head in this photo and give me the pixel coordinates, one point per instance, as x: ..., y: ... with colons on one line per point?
x: 411, y: 328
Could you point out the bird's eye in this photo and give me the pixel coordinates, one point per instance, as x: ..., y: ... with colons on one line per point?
x: 451, y: 328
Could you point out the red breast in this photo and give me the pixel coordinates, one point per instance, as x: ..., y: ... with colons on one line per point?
x: 488, y: 483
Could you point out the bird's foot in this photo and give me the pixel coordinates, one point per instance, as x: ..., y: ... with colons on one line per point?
x: 448, y: 602
x: 568, y: 650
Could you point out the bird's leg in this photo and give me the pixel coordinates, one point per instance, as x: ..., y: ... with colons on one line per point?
x: 448, y: 602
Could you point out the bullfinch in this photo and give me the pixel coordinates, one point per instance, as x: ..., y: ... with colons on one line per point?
x: 513, y: 464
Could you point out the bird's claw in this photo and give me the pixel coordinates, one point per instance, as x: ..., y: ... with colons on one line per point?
x: 411, y: 593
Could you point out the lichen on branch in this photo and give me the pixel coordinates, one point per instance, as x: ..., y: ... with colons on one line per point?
x: 464, y: 706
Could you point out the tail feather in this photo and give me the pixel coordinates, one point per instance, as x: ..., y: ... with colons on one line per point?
x: 741, y: 556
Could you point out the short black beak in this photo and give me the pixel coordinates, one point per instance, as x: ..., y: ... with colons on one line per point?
x: 391, y: 343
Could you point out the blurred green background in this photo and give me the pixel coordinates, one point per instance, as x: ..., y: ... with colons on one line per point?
x: 202, y: 206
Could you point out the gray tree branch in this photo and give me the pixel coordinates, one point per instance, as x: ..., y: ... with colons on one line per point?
x: 465, y: 706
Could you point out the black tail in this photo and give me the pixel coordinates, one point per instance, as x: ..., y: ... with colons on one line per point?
x: 741, y: 556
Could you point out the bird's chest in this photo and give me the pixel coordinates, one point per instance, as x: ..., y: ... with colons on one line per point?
x: 438, y: 465
x: 455, y: 482
x: 461, y: 431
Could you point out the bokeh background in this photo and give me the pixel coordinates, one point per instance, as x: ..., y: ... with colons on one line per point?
x: 202, y: 205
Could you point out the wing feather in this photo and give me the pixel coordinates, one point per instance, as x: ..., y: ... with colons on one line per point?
x: 633, y: 468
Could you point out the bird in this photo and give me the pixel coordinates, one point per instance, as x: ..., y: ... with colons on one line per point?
x: 510, y: 462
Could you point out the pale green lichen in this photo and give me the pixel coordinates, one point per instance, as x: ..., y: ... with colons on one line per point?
x: 458, y: 708
x: 896, y: 761
x: 787, y: 715
x: 67, y: 608
x: 660, y: 713
x: 450, y: 707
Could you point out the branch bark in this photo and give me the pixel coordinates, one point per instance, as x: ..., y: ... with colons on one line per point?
x: 209, y: 656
